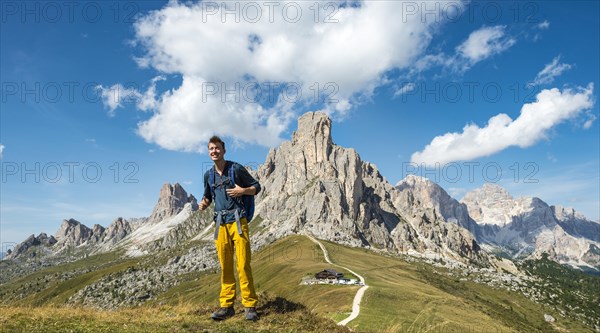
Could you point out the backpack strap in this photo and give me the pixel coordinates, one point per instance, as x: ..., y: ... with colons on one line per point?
x: 232, y: 174
x: 212, y: 179
x: 219, y: 221
x: 211, y: 182
x: 239, y: 200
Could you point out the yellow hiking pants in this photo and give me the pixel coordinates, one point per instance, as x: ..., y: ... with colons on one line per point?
x: 230, y: 240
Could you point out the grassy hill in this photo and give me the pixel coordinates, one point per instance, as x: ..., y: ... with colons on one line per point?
x: 54, y: 285
x: 404, y: 296
x: 278, y: 315
x: 416, y: 297
x: 277, y: 269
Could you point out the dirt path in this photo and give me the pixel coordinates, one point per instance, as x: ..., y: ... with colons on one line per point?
x: 359, y: 293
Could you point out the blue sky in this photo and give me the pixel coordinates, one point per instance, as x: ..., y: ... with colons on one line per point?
x: 103, y: 102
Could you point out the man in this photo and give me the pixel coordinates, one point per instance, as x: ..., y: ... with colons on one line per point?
x: 231, y: 232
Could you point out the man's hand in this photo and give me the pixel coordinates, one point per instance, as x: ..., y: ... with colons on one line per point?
x: 204, y: 203
x: 235, y: 192
x: 238, y: 191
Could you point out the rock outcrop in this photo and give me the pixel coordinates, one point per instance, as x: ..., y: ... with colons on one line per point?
x: 490, y: 205
x: 117, y: 230
x: 97, y: 233
x: 42, y: 242
x: 171, y: 200
x: 72, y: 233
x: 442, y: 222
x: 312, y: 185
x: 576, y: 224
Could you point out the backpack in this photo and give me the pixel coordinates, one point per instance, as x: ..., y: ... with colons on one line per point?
x: 246, y: 201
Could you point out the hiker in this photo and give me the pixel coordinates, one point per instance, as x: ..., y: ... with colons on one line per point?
x: 229, y: 185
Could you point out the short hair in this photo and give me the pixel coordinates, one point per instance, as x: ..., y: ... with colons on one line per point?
x: 215, y: 139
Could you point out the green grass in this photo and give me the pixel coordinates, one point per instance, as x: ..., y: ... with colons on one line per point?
x: 412, y: 297
x: 402, y: 297
x: 277, y: 269
x: 46, y: 286
x: 256, y: 225
x: 277, y: 315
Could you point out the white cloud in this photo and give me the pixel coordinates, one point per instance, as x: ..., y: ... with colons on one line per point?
x: 204, y: 47
x: 484, y: 43
x: 405, y: 89
x: 1, y: 150
x: 480, y: 45
x: 92, y: 142
x: 543, y: 25
x: 147, y: 101
x: 184, y: 121
x: 430, y: 60
x: 551, y: 157
x: 550, y: 108
x: 113, y: 97
x: 550, y: 71
x: 117, y: 95
x: 589, y: 121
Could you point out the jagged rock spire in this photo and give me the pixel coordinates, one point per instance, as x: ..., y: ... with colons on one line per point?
x: 311, y: 185
x: 314, y: 133
x: 73, y: 233
x: 171, y: 200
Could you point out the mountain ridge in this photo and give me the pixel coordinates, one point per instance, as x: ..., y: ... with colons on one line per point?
x: 311, y: 185
x: 73, y: 236
x: 529, y: 227
x: 328, y: 191
x: 314, y: 187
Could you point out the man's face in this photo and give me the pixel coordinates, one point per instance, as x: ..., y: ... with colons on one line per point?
x: 215, y: 151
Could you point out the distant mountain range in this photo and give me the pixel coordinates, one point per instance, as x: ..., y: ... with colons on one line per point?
x: 529, y: 227
x: 310, y: 185
x: 75, y: 238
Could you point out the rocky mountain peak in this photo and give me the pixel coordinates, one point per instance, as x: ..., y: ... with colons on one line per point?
x: 314, y: 133
x: 423, y: 193
x: 171, y: 200
x: 73, y: 233
x: 117, y: 230
x: 427, y: 192
x: 489, y: 190
x: 97, y: 233
x: 45, y: 239
x: 576, y: 224
x: 175, y: 191
x: 413, y: 181
x: 98, y: 229
x: 42, y: 239
x: 66, y: 227
x: 490, y: 204
x: 311, y: 185
x: 567, y: 213
x: 493, y: 187
x: 528, y: 226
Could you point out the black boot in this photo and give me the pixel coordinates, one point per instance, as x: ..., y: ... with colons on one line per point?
x: 223, y: 313
x: 251, y: 314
